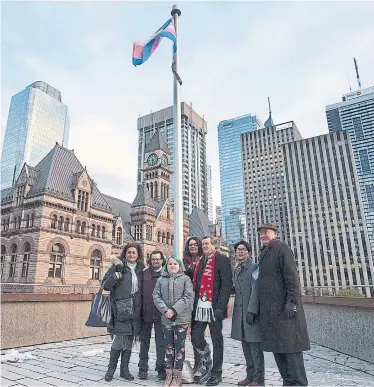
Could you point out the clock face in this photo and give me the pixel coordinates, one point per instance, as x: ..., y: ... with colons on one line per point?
x: 164, y: 161
x: 152, y: 159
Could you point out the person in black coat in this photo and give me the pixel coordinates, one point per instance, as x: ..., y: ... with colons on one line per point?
x: 282, y: 319
x: 125, y: 286
x: 212, y: 282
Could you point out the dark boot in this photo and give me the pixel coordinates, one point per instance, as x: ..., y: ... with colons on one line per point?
x: 197, y: 361
x: 124, y: 371
x: 203, y: 375
x: 113, y: 360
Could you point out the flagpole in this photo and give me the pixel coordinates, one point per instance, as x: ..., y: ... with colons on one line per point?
x: 178, y: 199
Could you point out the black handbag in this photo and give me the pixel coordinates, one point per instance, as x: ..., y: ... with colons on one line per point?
x: 125, y: 309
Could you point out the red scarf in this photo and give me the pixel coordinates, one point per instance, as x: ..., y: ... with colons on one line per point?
x: 204, y: 309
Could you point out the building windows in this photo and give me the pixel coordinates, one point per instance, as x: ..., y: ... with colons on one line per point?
x: 32, y: 220
x: 148, y: 232
x: 114, y: 234
x: 168, y: 238
x: 95, y: 265
x: 103, y: 235
x: 357, y: 126
x: 83, y: 200
x: 163, y: 238
x: 159, y: 236
x: 364, y: 160
x: 83, y: 228
x: 26, y: 259
x: 27, y: 222
x: 56, y: 261
x: 78, y: 227
x: 3, y: 255
x: 60, y: 223
x: 119, y: 235
x: 138, y: 232
x: 13, y: 261
x: 370, y: 196
x: 98, y: 230
x: 54, y: 221
x: 93, y: 230
x: 67, y: 225
x: 20, y: 193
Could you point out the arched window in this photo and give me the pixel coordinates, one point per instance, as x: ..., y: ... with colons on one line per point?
x: 60, y: 223
x: 3, y: 255
x: 159, y: 237
x: 26, y: 259
x: 93, y: 230
x: 54, y: 221
x: 172, y: 240
x: 114, y: 233
x: 27, y: 222
x: 156, y: 189
x: 14, y: 223
x: 103, y: 235
x: 32, y: 219
x: 19, y: 223
x: 78, y: 227
x: 168, y: 238
x: 83, y: 228
x: 13, y: 261
x: 98, y: 230
x: 151, y: 190
x: 56, y: 261
x: 163, y: 237
x: 119, y: 236
x: 95, y: 265
x: 67, y: 224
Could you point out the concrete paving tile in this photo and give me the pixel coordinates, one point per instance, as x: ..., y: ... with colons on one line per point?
x: 6, y: 382
x: 33, y: 383
x: 65, y: 376
x: 57, y: 382
x: 11, y: 375
x: 87, y: 375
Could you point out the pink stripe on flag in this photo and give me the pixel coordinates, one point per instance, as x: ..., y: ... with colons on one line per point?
x: 138, y: 51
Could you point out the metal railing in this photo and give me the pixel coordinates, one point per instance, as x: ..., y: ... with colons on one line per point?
x: 16, y: 287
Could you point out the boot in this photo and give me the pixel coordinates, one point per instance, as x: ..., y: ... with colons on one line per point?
x: 197, y: 361
x: 177, y: 378
x: 161, y: 374
x: 204, y: 374
x: 113, y: 360
x: 169, y: 377
x: 124, y: 371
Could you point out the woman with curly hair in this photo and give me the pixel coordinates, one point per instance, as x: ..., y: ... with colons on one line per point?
x: 125, y: 286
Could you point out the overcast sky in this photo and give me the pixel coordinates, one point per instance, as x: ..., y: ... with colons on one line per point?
x: 232, y: 57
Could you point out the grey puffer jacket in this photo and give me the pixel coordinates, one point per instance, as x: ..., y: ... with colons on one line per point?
x: 174, y: 292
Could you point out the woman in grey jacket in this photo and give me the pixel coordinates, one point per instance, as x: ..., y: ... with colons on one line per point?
x: 173, y: 296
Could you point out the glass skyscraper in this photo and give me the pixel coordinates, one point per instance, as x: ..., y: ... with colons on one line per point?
x: 356, y: 114
x: 37, y: 120
x: 234, y: 225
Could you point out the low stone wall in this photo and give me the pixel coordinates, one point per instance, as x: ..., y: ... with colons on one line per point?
x: 29, y: 319
x: 344, y: 324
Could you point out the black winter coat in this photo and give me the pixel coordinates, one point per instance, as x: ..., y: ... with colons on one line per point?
x: 121, y: 290
x: 279, y: 284
x: 150, y: 313
x: 222, y: 284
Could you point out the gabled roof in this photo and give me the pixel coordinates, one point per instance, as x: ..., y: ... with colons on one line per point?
x: 157, y: 143
x: 200, y: 225
x: 143, y: 198
x: 119, y: 207
x: 159, y: 205
x: 7, y: 195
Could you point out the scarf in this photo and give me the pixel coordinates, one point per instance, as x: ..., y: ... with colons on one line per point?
x: 134, y: 277
x: 204, y: 309
x: 189, y: 263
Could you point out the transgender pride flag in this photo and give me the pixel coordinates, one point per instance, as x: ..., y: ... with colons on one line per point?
x: 142, y: 50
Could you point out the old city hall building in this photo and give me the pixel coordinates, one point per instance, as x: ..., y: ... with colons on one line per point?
x: 58, y: 228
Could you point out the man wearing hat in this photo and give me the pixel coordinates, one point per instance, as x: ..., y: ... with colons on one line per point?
x: 282, y: 319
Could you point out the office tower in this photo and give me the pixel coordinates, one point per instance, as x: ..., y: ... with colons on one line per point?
x: 37, y: 120
x: 219, y: 217
x: 194, y: 169
x: 209, y: 192
x: 325, y: 214
x: 355, y: 114
x: 232, y: 188
x: 263, y: 172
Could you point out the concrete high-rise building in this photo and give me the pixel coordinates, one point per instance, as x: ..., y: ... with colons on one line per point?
x: 209, y: 192
x: 263, y: 172
x: 232, y: 188
x: 355, y: 114
x: 325, y: 221
x: 218, y: 219
x: 194, y: 169
x: 37, y: 120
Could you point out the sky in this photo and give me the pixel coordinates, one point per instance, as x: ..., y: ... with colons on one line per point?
x: 233, y: 56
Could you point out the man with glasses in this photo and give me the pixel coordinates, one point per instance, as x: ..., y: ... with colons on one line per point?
x: 151, y: 317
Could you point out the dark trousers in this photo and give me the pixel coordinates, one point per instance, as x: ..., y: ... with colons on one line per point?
x: 199, y: 342
x: 175, y: 340
x: 291, y: 367
x: 254, y: 358
x: 145, y: 340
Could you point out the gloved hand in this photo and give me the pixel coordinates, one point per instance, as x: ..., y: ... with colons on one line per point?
x: 117, y: 275
x: 219, y: 314
x: 250, y: 318
x: 290, y: 310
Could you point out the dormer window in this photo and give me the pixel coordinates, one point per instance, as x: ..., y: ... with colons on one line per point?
x: 83, y: 200
x: 20, y: 193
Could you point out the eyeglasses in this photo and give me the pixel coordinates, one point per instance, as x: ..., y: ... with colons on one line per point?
x: 241, y: 250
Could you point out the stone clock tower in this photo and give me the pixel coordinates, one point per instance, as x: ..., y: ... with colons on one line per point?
x: 157, y: 173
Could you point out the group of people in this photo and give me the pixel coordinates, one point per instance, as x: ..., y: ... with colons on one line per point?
x: 172, y: 294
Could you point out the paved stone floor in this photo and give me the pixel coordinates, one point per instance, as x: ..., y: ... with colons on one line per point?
x: 62, y: 364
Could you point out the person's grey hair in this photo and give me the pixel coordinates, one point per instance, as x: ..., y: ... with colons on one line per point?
x: 212, y: 239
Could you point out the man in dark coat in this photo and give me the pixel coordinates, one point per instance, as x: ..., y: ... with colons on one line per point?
x: 245, y: 318
x: 282, y: 319
x: 212, y: 283
x: 151, y: 317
